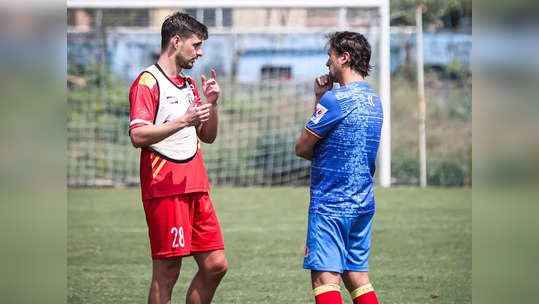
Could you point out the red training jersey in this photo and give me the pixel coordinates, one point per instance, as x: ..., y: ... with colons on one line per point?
x: 160, y: 177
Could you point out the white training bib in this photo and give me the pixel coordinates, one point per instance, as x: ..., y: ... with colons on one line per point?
x: 173, y: 103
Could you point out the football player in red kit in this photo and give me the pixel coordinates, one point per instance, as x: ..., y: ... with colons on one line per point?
x: 168, y: 118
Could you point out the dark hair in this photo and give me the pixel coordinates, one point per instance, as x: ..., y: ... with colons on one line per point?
x: 182, y: 25
x: 356, y: 45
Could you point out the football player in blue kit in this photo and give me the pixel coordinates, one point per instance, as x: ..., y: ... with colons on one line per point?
x: 341, y: 139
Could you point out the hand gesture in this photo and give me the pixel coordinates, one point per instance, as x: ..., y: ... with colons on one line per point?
x: 210, y: 88
x: 321, y: 85
x: 197, y: 114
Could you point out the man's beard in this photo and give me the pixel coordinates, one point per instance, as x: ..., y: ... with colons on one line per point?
x: 331, y: 76
x: 183, y: 63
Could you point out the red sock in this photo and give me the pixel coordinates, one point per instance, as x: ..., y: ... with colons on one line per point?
x: 328, y: 294
x: 364, y: 295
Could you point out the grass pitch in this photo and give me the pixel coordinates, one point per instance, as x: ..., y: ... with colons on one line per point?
x: 421, y: 246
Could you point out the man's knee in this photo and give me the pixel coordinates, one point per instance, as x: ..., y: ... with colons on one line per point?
x: 220, y: 268
x: 320, y: 278
x: 217, y: 269
x: 355, y: 279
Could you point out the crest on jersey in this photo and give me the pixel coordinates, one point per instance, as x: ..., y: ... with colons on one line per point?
x: 318, y: 113
x: 370, y: 101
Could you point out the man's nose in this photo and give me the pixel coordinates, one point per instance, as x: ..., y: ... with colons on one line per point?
x: 200, y: 53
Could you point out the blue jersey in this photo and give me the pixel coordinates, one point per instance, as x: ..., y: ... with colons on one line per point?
x: 348, y: 122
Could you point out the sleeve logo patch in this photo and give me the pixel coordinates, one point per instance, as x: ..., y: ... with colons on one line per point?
x: 318, y: 113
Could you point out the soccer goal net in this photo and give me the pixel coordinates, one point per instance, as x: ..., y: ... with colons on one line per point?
x: 266, y: 60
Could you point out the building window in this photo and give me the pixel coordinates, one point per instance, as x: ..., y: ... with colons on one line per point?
x: 191, y: 12
x: 209, y: 17
x: 212, y: 17
x: 227, y: 17
x: 276, y: 72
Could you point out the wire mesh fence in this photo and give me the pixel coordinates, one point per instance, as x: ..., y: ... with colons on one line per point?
x: 259, y: 123
x: 263, y: 106
x: 266, y: 81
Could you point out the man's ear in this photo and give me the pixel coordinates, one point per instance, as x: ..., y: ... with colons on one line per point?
x: 345, y: 58
x: 176, y: 40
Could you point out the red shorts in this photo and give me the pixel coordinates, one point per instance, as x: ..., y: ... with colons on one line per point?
x: 181, y: 224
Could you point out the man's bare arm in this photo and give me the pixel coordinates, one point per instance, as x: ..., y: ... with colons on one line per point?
x: 305, y: 145
x: 207, y: 131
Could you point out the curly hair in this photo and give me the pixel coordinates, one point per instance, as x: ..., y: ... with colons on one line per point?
x: 183, y: 25
x: 356, y: 45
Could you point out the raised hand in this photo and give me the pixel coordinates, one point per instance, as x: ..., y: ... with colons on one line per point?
x: 321, y: 85
x: 197, y: 114
x: 210, y: 88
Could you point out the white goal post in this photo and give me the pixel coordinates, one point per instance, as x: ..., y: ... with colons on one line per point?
x: 384, y: 51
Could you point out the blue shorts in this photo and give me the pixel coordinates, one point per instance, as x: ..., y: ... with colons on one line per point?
x: 337, y: 244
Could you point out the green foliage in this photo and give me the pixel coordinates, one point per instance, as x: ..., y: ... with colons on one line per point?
x: 278, y: 160
x: 98, y: 123
x: 469, y: 172
x: 447, y: 172
x: 405, y: 169
x: 448, y: 129
x: 403, y: 11
x: 457, y: 69
x: 102, y: 88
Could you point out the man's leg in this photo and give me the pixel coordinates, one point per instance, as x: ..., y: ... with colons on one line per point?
x: 212, y: 266
x: 359, y: 286
x: 165, y: 275
x: 326, y: 287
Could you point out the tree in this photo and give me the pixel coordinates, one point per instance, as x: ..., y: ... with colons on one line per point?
x: 440, y: 14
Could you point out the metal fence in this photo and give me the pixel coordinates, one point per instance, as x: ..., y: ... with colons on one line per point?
x: 266, y: 82
x: 258, y: 125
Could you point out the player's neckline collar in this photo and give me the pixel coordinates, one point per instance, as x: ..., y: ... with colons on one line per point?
x: 359, y: 83
x: 182, y: 86
x: 355, y: 84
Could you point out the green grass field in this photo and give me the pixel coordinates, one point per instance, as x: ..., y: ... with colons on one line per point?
x: 421, y: 246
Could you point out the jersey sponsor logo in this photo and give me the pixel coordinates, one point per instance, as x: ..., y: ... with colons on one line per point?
x: 172, y: 99
x: 318, y: 113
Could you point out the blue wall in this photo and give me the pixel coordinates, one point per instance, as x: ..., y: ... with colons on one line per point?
x: 129, y: 53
